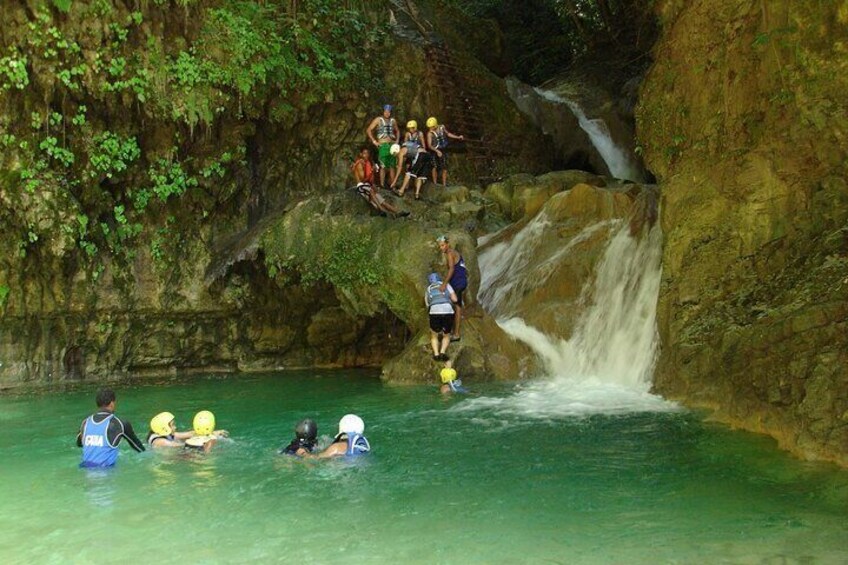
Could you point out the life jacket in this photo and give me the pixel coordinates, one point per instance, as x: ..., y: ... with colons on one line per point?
x: 151, y: 437
x: 413, y: 144
x: 357, y: 445
x: 295, y: 445
x: 386, y: 128
x: 96, y: 449
x: 367, y: 170
x: 437, y: 296
x: 456, y: 386
x: 441, y: 136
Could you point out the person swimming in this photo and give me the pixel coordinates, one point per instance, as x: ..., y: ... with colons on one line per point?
x: 163, y: 432
x: 205, y: 435
x: 350, y: 439
x: 305, y: 438
x: 450, y: 382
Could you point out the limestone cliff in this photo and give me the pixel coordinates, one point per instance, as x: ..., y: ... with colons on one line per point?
x: 141, y: 143
x: 743, y: 120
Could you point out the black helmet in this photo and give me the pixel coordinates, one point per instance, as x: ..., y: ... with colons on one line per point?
x: 306, y: 429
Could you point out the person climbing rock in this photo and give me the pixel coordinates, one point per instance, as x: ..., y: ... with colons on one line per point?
x: 363, y: 171
x: 438, y: 138
x: 457, y: 276
x: 163, y: 432
x: 451, y: 383
x: 349, y: 441
x: 101, y: 433
x: 383, y: 132
x: 305, y: 438
x: 440, y: 300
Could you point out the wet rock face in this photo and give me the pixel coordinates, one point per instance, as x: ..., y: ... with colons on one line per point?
x: 743, y: 119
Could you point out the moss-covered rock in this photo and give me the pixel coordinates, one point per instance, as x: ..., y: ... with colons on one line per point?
x: 753, y: 301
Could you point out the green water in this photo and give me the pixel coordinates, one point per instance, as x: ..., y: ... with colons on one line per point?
x: 445, y: 484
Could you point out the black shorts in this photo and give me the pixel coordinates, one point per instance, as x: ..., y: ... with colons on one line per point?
x: 421, y: 166
x: 441, y: 323
x: 441, y: 162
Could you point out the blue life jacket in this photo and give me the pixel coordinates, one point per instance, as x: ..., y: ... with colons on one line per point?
x: 96, y: 449
x: 437, y: 296
x: 456, y: 386
x: 386, y: 128
x: 441, y: 137
x: 357, y: 445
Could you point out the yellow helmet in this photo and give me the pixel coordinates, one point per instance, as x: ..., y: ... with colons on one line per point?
x: 161, y: 423
x: 432, y: 122
x: 447, y: 375
x: 204, y: 423
x: 411, y: 124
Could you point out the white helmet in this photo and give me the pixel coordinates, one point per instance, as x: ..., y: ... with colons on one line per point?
x: 351, y: 424
x: 394, y: 149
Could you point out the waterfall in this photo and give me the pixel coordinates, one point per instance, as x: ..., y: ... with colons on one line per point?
x: 618, y: 161
x: 607, y: 363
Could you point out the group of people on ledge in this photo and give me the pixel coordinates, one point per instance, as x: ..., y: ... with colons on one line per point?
x: 415, y: 157
x: 101, y: 433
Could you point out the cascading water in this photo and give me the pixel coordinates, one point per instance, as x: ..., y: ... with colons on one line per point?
x: 619, y: 162
x: 606, y: 364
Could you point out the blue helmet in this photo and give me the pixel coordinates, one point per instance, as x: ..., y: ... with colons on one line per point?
x: 434, y: 278
x: 388, y: 107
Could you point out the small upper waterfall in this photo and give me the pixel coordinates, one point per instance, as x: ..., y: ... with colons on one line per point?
x: 620, y: 163
x: 605, y: 366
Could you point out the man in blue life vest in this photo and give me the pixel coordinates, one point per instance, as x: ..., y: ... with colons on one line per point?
x: 101, y: 432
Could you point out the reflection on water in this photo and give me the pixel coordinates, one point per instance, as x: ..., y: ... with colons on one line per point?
x: 99, y: 486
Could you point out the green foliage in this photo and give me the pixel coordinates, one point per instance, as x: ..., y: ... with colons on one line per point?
x: 4, y: 294
x: 113, y: 154
x: 50, y: 145
x: 168, y: 179
x: 342, y: 255
x: 13, y: 71
x: 62, y: 5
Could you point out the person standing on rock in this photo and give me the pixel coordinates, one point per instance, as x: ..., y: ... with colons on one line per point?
x: 457, y: 277
x: 420, y: 160
x: 438, y: 138
x: 440, y: 300
x: 101, y: 432
x: 383, y: 132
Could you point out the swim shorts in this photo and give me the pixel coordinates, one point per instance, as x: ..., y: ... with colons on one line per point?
x: 386, y: 158
x: 441, y: 323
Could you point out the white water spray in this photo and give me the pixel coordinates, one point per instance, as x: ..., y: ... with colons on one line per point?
x: 606, y: 365
x: 618, y: 161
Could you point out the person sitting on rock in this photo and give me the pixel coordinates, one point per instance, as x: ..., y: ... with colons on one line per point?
x: 451, y: 383
x: 440, y: 304
x: 438, y: 138
x: 387, y: 133
x: 363, y: 171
